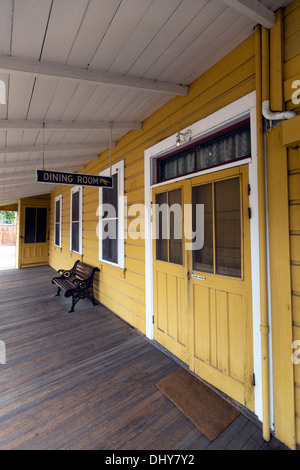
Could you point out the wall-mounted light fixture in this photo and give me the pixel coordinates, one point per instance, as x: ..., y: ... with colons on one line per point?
x: 183, y: 137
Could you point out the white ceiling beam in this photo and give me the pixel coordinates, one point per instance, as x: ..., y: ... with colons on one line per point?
x: 48, y: 161
x: 54, y: 147
x: 21, y: 174
x: 254, y: 10
x: 55, y: 71
x: 14, y: 196
x: 69, y: 125
x: 9, y: 184
x: 15, y: 176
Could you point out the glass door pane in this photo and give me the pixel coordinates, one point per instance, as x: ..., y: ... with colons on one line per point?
x: 175, y: 242
x: 169, y: 223
x: 161, y: 239
x: 203, y: 259
x: 228, y: 227
x: 30, y: 224
x: 41, y: 225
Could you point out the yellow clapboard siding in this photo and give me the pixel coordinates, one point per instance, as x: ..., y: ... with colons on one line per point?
x: 291, y: 69
x: 291, y: 7
x: 124, y: 299
x: 90, y: 216
x: 121, y: 285
x: 292, y: 23
x: 291, y: 45
x: 297, y: 396
x: 295, y: 217
x: 123, y: 312
x: 135, y: 266
x: 135, y: 252
x: 297, y: 425
x: 296, y: 309
x: 294, y: 158
x: 135, y: 168
x: 136, y: 181
x: 295, y: 272
x: 295, y: 248
x: 131, y: 278
x: 294, y: 186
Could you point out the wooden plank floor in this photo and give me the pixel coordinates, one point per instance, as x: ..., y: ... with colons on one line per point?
x: 86, y: 380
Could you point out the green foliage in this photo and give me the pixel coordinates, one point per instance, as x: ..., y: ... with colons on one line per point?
x: 8, y: 217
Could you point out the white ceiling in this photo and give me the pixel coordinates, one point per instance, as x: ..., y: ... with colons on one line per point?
x: 97, y: 64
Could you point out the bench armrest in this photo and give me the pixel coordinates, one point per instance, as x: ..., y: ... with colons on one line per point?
x: 67, y: 273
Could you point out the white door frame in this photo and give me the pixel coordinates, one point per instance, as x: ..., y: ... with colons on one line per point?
x: 231, y: 114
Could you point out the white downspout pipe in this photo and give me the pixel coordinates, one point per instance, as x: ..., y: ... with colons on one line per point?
x: 275, y: 116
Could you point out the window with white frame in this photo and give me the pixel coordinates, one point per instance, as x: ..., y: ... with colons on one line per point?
x: 76, y: 220
x: 58, y: 221
x: 111, y: 218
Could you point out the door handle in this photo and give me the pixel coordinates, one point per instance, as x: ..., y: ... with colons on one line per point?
x: 188, y: 275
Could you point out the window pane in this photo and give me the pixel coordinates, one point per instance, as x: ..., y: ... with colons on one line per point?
x: 57, y: 235
x: 75, y: 236
x: 161, y: 229
x: 110, y: 195
x: 178, y: 165
x: 41, y: 225
x: 110, y: 248
x: 30, y: 221
x: 203, y: 258
x: 110, y: 222
x: 57, y: 211
x: 175, y: 214
x: 224, y: 149
x: 75, y: 206
x: 228, y: 227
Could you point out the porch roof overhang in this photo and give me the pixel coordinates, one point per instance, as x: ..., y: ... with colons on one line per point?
x: 74, y: 75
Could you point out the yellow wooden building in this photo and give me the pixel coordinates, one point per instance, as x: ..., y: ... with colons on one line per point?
x: 229, y: 308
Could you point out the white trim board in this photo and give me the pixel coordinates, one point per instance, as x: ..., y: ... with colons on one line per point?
x: 58, y: 199
x: 229, y: 115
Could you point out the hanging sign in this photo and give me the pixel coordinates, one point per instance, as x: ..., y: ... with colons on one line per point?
x: 73, y: 179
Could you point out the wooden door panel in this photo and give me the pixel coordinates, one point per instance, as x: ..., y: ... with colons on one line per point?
x: 34, y: 242
x: 205, y: 317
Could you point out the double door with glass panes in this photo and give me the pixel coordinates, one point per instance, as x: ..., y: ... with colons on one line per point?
x: 202, y: 279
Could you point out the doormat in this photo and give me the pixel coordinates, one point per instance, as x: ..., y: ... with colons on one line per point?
x: 207, y: 410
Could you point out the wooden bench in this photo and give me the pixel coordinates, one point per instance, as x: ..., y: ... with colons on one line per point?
x: 76, y: 282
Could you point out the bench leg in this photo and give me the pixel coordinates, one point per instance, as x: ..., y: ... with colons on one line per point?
x: 58, y: 292
x: 74, y: 302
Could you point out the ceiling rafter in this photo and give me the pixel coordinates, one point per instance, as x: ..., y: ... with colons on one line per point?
x: 55, y: 147
x: 11, y: 64
x: 68, y: 125
x: 254, y: 10
x: 53, y: 161
x: 26, y: 181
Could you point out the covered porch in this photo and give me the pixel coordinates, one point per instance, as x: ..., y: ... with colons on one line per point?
x: 87, y: 380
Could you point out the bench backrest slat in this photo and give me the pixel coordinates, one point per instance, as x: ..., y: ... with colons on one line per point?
x: 83, y: 271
